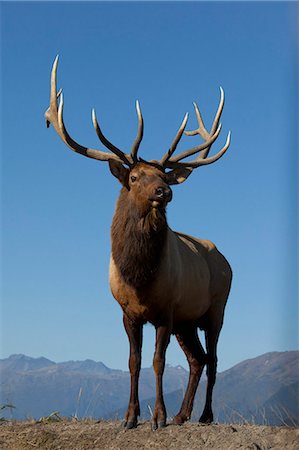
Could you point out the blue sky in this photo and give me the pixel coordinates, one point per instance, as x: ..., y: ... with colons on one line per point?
x: 57, y: 206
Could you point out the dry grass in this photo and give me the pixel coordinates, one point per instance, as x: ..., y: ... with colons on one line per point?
x: 109, y: 435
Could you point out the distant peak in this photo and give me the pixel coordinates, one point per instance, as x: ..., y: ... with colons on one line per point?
x: 19, y: 356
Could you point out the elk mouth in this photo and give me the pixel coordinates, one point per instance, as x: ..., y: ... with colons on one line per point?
x: 155, y: 204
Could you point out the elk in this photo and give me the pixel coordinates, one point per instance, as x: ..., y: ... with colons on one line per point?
x: 176, y: 282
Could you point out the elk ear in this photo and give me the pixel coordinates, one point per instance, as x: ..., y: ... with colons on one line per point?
x: 179, y: 175
x: 119, y: 171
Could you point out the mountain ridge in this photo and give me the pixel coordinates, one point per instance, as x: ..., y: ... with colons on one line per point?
x: 253, y: 388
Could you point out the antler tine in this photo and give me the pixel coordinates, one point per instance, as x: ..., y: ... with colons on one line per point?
x: 200, y: 161
x: 201, y: 130
x: 216, y: 120
x: 51, y: 113
x: 166, y: 160
x: 219, y: 111
x: 54, y: 116
x: 124, y: 157
x: 175, y: 142
x: 73, y: 145
x: 139, y: 136
x: 197, y: 149
x: 204, y: 148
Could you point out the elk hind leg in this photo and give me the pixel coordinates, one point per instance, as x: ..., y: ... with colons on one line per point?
x: 211, y: 337
x: 188, y: 339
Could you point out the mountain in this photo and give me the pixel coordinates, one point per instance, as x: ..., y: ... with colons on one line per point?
x: 263, y: 390
x: 24, y: 363
x: 37, y: 386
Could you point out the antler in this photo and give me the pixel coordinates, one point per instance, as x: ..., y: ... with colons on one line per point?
x: 139, y: 136
x: 54, y: 116
x: 173, y: 162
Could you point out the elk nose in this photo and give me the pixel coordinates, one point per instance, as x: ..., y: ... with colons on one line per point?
x: 163, y: 193
x: 160, y: 192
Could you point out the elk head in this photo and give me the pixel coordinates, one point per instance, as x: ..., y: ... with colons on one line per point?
x: 147, y: 180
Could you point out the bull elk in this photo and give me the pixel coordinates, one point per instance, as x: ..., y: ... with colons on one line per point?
x: 176, y: 282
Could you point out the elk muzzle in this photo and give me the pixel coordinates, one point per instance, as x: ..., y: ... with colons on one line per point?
x: 161, y: 196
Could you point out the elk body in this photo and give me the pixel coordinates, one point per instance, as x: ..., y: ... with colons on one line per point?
x: 176, y: 282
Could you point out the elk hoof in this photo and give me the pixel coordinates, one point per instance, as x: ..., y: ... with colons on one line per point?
x: 154, y: 426
x: 131, y: 424
x: 206, y: 418
x: 128, y: 425
x: 178, y: 420
x: 162, y: 424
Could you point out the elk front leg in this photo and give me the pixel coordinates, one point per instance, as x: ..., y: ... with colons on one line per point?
x: 134, y: 332
x: 162, y: 340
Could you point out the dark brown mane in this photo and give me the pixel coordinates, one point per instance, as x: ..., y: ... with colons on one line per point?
x: 137, y: 241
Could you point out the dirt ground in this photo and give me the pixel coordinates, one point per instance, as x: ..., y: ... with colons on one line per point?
x: 108, y: 435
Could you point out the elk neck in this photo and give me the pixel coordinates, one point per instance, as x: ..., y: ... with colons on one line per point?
x: 138, y: 235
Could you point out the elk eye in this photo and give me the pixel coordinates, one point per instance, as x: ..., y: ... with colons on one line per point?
x: 133, y: 178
